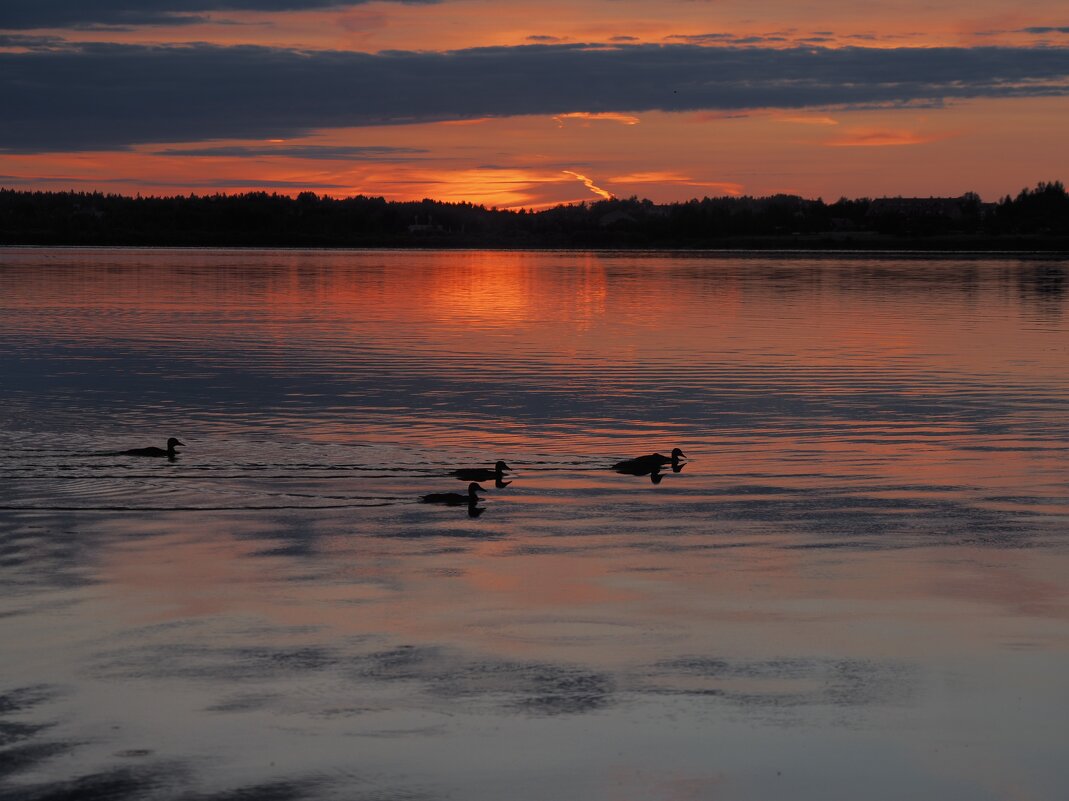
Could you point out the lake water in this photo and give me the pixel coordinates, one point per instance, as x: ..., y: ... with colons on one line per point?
x: 856, y: 588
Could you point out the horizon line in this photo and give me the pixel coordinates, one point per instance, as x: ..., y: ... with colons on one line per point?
x: 294, y: 195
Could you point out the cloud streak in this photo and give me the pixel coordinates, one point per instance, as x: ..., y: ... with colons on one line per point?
x: 600, y: 116
x: 589, y: 184
x: 318, y: 152
x: 668, y: 177
x: 109, y: 96
x: 71, y: 181
x: 883, y: 138
x: 29, y: 14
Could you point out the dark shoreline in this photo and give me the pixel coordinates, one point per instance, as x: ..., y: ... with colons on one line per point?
x: 993, y: 250
x: 1036, y: 221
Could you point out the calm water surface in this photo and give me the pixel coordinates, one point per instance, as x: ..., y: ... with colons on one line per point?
x: 857, y: 588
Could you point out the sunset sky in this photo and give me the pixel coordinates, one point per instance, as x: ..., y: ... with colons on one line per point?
x: 515, y: 104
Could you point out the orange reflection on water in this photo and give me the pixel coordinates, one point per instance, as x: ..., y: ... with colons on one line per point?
x: 489, y: 290
x: 612, y: 604
x: 868, y: 535
x: 920, y: 344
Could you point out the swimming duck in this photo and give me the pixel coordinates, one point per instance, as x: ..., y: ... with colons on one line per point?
x: 645, y: 469
x: 481, y: 473
x: 455, y: 498
x: 641, y: 465
x: 169, y: 452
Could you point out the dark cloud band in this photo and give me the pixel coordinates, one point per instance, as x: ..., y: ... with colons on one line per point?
x: 104, y: 96
x: 28, y: 14
x: 315, y: 152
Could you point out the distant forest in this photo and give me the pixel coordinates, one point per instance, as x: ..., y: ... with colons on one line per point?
x: 1036, y: 219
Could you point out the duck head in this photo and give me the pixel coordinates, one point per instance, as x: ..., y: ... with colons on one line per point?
x: 473, y: 488
x: 677, y: 454
x: 172, y: 442
x: 501, y: 467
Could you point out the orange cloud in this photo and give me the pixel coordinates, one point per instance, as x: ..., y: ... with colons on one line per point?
x: 882, y: 138
x: 716, y: 116
x: 472, y: 121
x: 599, y: 116
x: 676, y: 178
x: 800, y: 120
x: 796, y: 119
x: 651, y: 178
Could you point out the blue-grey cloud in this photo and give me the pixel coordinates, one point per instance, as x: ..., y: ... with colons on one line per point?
x: 73, y: 183
x: 32, y: 42
x: 26, y: 14
x: 106, y: 96
x: 725, y: 38
x: 319, y: 152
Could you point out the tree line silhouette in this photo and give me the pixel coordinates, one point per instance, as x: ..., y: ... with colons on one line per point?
x: 1035, y: 219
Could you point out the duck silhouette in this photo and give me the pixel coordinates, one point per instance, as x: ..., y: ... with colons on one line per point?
x: 169, y: 452
x: 455, y: 498
x: 643, y: 465
x: 651, y: 470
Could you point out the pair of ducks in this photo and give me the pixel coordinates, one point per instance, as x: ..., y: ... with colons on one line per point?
x: 651, y: 464
x: 474, y: 475
x: 648, y: 465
